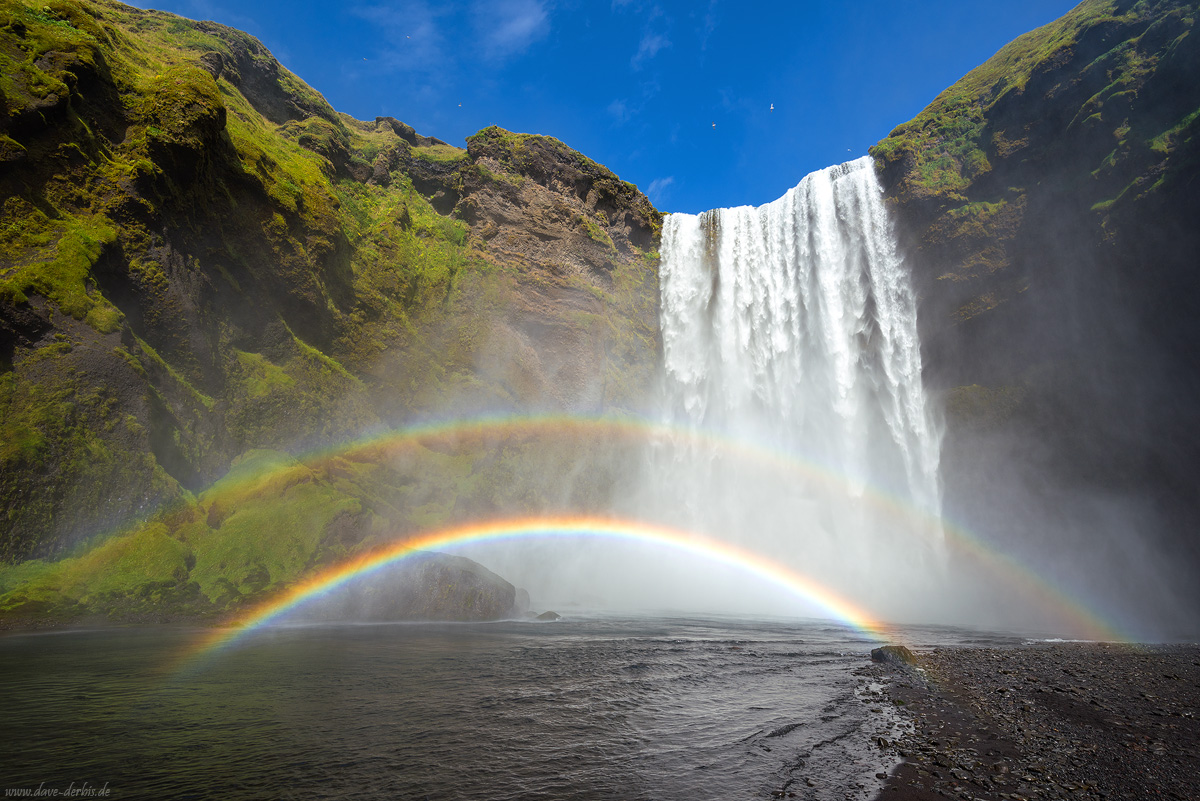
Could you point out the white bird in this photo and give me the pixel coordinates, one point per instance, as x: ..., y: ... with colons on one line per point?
x: 714, y: 125
x: 772, y: 107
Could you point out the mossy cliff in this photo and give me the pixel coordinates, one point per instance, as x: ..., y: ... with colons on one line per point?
x: 1049, y: 203
x: 199, y: 257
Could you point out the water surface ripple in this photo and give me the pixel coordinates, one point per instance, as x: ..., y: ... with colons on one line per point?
x: 583, y: 708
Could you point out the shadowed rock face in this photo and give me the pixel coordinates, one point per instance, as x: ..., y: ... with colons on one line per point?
x: 1047, y: 204
x: 200, y: 257
x: 893, y: 654
x: 575, y: 239
x: 426, y: 586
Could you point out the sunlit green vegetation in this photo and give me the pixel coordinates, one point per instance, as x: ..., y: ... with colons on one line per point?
x: 952, y: 143
x: 232, y: 270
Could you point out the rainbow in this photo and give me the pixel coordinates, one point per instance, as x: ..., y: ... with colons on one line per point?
x: 610, y: 428
x: 336, y: 576
x: 919, y: 522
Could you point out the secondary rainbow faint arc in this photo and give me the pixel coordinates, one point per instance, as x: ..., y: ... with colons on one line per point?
x: 628, y: 426
x: 1010, y: 568
x: 567, y: 526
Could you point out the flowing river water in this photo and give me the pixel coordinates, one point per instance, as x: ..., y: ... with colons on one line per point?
x: 587, y: 707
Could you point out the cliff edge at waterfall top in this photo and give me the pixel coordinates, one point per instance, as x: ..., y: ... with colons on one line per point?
x: 701, y: 105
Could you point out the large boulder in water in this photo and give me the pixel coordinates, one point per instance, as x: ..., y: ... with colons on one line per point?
x: 893, y: 655
x: 425, y: 586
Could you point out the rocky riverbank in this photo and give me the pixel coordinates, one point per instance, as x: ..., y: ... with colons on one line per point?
x: 1047, y: 721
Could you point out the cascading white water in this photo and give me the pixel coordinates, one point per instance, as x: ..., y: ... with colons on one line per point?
x: 793, y: 325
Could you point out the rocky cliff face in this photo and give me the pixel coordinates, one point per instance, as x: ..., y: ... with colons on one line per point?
x: 199, y: 257
x: 1048, y: 201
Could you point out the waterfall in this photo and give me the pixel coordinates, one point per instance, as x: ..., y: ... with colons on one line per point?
x: 793, y: 326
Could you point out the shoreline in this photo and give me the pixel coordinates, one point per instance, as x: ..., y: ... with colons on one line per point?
x: 1046, y: 721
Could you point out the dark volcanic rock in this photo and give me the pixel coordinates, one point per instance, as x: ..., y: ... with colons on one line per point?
x: 553, y: 165
x: 426, y: 586
x: 1069, y: 721
x: 894, y: 654
x: 1047, y: 204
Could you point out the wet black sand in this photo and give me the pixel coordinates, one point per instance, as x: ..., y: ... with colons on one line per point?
x: 1047, y: 721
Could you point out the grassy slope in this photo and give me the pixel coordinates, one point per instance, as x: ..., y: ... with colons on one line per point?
x: 1107, y: 47
x: 1055, y: 150
x: 275, y: 519
x: 199, y: 259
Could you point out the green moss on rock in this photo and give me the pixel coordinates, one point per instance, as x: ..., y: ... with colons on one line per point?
x: 199, y: 259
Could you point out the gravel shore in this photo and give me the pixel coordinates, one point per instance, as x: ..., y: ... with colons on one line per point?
x: 1046, y: 721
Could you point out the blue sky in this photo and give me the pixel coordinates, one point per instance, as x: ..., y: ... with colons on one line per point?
x: 638, y: 85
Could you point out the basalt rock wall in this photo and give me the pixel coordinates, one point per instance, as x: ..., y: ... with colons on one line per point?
x: 1048, y: 204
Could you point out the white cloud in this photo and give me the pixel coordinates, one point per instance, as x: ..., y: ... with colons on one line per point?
x: 619, y: 110
x: 655, y: 37
x: 657, y: 191
x: 649, y: 46
x: 417, y: 33
x: 709, y: 24
x: 414, y: 40
x: 508, y: 27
